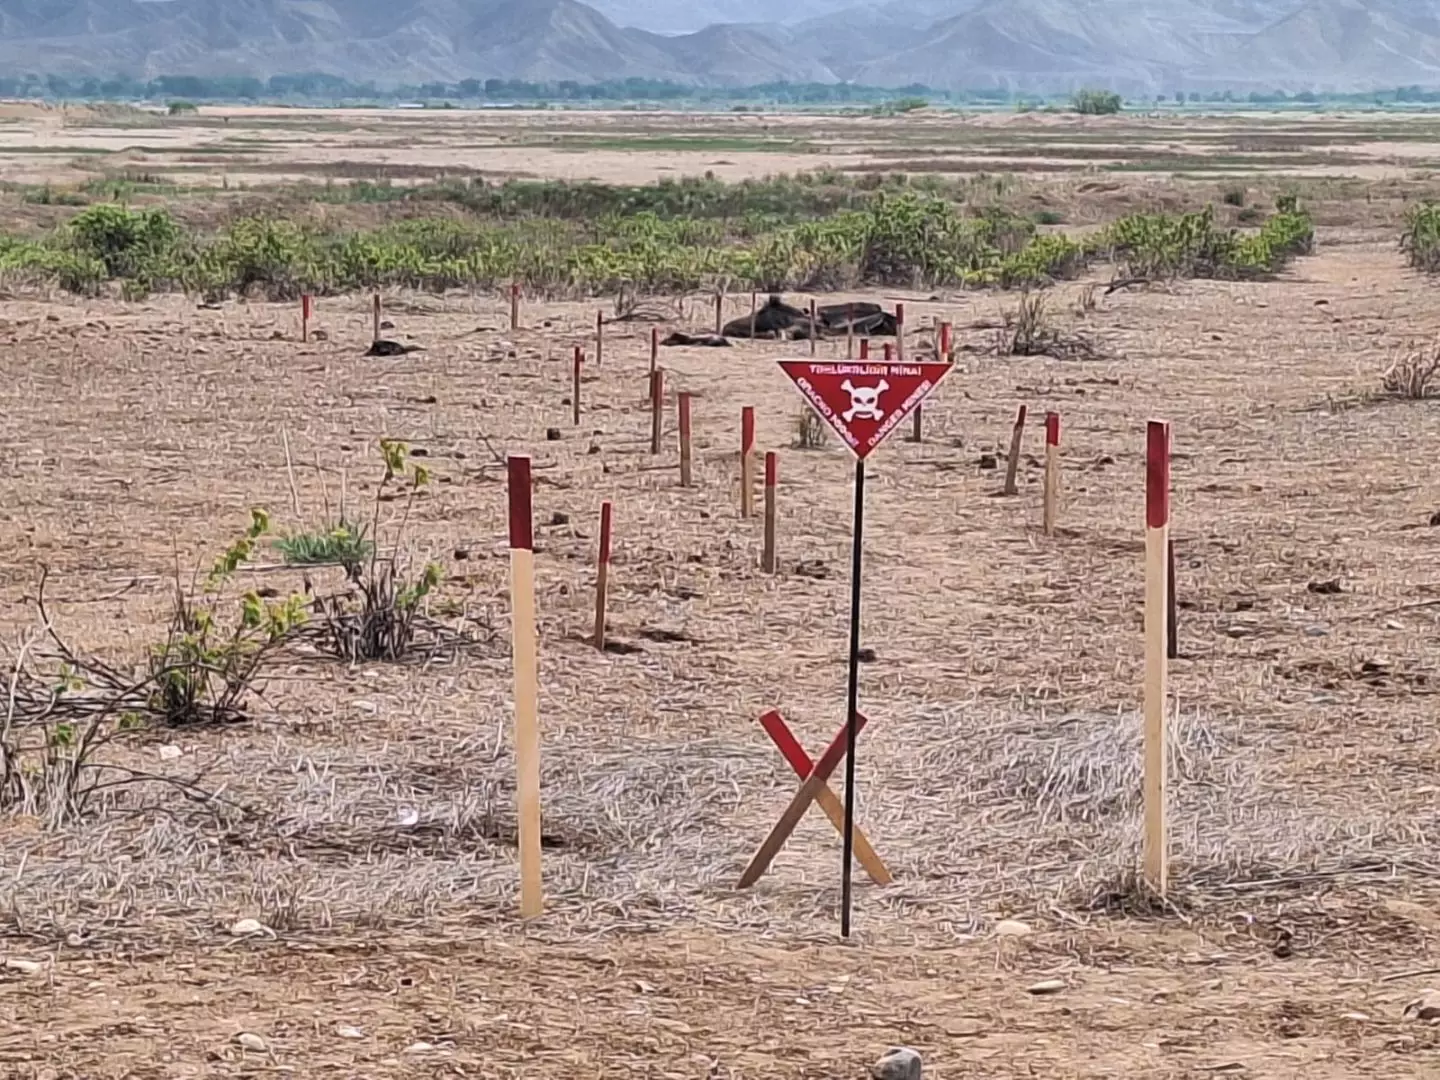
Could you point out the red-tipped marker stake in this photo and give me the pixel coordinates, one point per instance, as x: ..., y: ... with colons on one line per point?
x: 527, y: 677
x: 900, y: 332
x: 1157, y: 538
x: 719, y: 312
x: 889, y: 353
x: 575, y: 386
x: 772, y: 477
x: 1012, y: 463
x: 377, y: 317
x: 657, y: 404
x: 747, y: 463
x: 1052, y: 471
x: 865, y: 348
x: 683, y: 404
x: 515, y: 306
x: 599, y: 336
x: 307, y: 304
x: 602, y: 576
x: 942, y: 349
x: 654, y: 347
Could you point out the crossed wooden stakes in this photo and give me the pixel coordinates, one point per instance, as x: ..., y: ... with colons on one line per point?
x: 814, y: 787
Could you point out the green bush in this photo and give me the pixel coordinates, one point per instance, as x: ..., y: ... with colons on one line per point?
x: 1096, y: 102
x: 1190, y: 245
x: 1421, y: 239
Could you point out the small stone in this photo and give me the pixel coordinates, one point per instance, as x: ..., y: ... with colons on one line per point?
x: 552, y: 434
x: 988, y: 461
x: 1316, y: 631
x: 421, y: 1047
x: 248, y: 1040
x: 170, y: 752
x: 1012, y: 928
x: 365, y: 707
x: 899, y: 1063
x: 24, y: 967
x: 559, y: 518
x: 1426, y: 1008
x: 345, y: 1031
x: 865, y: 656
x: 249, y: 928
x: 1046, y: 986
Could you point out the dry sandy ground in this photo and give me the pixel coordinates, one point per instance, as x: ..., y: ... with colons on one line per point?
x: 257, y: 146
x: 999, y: 778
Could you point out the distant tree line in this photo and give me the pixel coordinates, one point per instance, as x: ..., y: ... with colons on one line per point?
x: 316, y: 87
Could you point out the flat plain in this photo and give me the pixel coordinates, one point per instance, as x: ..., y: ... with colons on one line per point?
x: 364, y: 816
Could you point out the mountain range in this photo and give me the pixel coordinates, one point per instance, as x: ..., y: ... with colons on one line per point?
x: 1138, y: 47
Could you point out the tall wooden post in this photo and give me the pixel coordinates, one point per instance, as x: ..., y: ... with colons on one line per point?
x: 527, y: 677
x: 1157, y: 542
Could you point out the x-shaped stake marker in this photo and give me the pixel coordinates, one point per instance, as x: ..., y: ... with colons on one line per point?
x: 815, y: 788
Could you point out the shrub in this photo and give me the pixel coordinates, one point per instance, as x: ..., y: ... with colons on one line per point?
x: 1421, y: 239
x: 1190, y: 245
x: 342, y: 544
x: 1096, y: 102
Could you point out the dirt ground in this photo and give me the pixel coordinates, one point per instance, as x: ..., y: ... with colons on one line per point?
x: 366, y: 815
x: 259, y: 146
x: 1301, y: 822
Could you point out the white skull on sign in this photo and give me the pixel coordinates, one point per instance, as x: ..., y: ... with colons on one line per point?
x: 864, y: 400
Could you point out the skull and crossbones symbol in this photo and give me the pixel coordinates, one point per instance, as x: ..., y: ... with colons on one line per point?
x: 864, y: 400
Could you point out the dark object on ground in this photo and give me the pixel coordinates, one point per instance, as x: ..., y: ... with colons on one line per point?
x: 385, y: 347
x: 387, y: 325
x: 779, y: 321
x: 679, y: 337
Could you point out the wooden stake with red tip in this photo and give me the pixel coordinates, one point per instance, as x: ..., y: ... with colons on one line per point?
x: 307, y: 304
x: 599, y: 336
x: 376, y: 318
x: 654, y: 347
x: 683, y: 404
x: 602, y: 576
x: 575, y: 386
x: 527, y: 679
x: 865, y: 348
x: 719, y: 312
x: 515, y: 306
x: 900, y: 332
x: 1012, y: 463
x: 942, y: 347
x: 657, y: 405
x: 772, y: 478
x: 747, y: 461
x: 1157, y: 542
x: 1052, y: 472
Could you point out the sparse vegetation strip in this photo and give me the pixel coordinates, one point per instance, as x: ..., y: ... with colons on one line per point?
x: 568, y: 240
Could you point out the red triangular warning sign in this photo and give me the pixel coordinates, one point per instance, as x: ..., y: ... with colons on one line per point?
x: 863, y: 401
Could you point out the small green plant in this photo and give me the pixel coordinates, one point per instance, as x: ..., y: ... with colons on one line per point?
x: 1421, y: 239
x: 63, y: 708
x: 1096, y: 102
x: 343, y: 544
x: 378, y: 616
x: 205, y: 669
